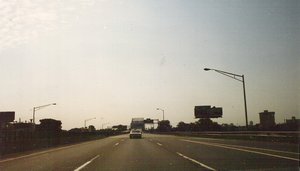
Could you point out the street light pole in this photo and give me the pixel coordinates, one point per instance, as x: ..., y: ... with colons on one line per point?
x: 87, y: 120
x: 245, y: 103
x: 38, y: 108
x: 162, y: 111
x: 237, y: 77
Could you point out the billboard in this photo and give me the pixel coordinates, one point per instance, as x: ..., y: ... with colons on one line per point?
x: 215, y: 112
x: 208, y: 112
x: 7, y: 116
x: 201, y: 111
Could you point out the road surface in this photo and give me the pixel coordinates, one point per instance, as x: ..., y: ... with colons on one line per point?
x: 160, y: 152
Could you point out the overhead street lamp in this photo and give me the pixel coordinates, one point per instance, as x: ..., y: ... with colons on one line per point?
x: 87, y: 120
x: 237, y: 77
x: 162, y: 111
x: 38, y: 108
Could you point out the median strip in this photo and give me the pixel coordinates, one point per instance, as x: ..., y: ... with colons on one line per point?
x: 85, y: 164
x: 240, y: 149
x: 195, y: 161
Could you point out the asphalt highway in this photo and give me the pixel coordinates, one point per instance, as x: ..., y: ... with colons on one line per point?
x: 160, y: 152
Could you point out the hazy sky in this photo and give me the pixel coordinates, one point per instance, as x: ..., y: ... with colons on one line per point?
x: 121, y: 59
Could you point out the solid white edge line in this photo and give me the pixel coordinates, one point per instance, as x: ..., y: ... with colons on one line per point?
x: 255, y: 148
x: 263, y: 149
x: 240, y: 149
x: 85, y: 164
x: 195, y: 161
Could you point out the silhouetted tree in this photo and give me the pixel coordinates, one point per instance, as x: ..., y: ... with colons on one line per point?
x: 75, y: 130
x: 92, y: 128
x: 181, y: 126
x: 204, y: 124
x: 228, y: 127
x: 50, y: 129
x: 50, y: 126
x: 164, y: 126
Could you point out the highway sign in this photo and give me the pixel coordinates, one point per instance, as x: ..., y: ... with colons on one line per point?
x: 207, y: 112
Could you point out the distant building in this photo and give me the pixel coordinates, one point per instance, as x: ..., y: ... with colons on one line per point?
x: 50, y: 125
x: 6, y: 117
x: 119, y: 127
x: 293, y: 124
x: 267, y: 119
x: 292, y: 121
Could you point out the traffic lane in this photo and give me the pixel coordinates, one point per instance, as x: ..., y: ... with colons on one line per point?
x: 227, y: 158
x: 63, y: 158
x: 281, y: 149
x: 286, y: 147
x: 140, y: 154
x: 260, y: 158
x: 224, y: 158
x: 279, y: 146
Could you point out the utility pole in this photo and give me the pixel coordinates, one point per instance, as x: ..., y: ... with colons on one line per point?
x: 38, y: 108
x: 163, y: 111
x: 237, y: 77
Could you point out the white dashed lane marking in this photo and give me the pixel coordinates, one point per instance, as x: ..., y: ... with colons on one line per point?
x: 159, y: 144
x: 85, y: 164
x: 195, y: 161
